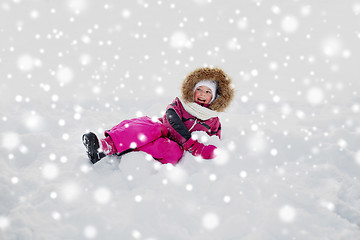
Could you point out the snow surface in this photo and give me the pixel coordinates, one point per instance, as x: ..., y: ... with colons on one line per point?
x: 290, y: 161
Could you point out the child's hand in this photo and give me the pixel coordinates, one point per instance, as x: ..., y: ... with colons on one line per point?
x: 208, y: 152
x: 200, y: 150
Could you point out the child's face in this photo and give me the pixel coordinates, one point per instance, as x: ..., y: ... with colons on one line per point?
x: 203, y: 95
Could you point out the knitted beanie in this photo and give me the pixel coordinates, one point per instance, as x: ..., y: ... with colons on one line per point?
x: 210, y: 84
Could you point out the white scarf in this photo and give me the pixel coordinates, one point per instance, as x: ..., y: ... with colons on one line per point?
x: 198, y: 111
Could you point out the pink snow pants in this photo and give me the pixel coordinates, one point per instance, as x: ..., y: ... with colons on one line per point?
x: 143, y: 134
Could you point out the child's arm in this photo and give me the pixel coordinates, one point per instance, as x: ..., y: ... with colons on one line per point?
x: 176, y: 127
x: 173, y: 122
x: 200, y: 150
x: 216, y: 130
x: 189, y: 144
x: 179, y: 132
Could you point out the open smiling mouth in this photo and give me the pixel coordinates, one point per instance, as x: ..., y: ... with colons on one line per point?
x: 201, y: 100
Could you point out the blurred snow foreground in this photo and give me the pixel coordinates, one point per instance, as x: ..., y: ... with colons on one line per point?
x: 289, y: 159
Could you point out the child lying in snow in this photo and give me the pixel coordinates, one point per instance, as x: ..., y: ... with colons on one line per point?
x: 205, y: 93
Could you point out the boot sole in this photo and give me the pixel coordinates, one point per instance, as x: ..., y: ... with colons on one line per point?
x: 92, y: 149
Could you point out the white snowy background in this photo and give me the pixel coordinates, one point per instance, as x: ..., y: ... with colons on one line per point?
x: 290, y: 163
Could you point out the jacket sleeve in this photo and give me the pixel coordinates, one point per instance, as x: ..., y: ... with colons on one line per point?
x: 217, y: 131
x: 173, y: 122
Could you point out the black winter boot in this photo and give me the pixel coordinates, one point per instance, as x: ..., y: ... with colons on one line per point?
x: 91, y: 143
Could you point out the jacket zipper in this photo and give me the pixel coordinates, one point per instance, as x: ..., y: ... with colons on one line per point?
x: 193, y: 125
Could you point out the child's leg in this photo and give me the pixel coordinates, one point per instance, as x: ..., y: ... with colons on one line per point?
x: 135, y: 133
x: 164, y: 150
x: 107, y: 146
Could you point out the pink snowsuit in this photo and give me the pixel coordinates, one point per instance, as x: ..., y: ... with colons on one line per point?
x: 162, y: 139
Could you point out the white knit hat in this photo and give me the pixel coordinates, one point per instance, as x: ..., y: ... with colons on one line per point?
x: 210, y: 84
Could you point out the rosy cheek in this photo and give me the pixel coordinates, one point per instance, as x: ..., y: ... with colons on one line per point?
x: 195, y: 96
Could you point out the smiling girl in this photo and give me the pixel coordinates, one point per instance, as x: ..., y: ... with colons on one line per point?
x: 205, y: 93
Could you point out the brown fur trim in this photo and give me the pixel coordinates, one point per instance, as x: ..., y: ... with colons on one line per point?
x: 225, y: 89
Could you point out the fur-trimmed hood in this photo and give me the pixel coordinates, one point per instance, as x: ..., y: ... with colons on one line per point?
x: 225, y: 90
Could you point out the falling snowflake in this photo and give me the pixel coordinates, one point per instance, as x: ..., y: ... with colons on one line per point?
x: 315, y: 96
x: 136, y: 234
x: 138, y: 198
x: 85, y: 59
x: 4, y: 222
x: 27, y: 63
x: 10, y: 140
x: 33, y: 121
x: 64, y: 75
x: 102, y: 195
x: 180, y: 40
x: 289, y: 24
x: 56, y: 215
x: 227, y: 199
x: 332, y: 47
x: 273, y: 152
x: 77, y: 6
x: 242, y: 23
x: 287, y: 214
x: 210, y: 221
x: 243, y: 174
x: 70, y: 192
x: 126, y: 13
x: 328, y: 205
x: 176, y: 175
x: 90, y: 232
x: 50, y: 171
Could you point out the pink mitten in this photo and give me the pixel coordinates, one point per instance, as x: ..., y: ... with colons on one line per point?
x: 200, y: 150
x: 209, y: 152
